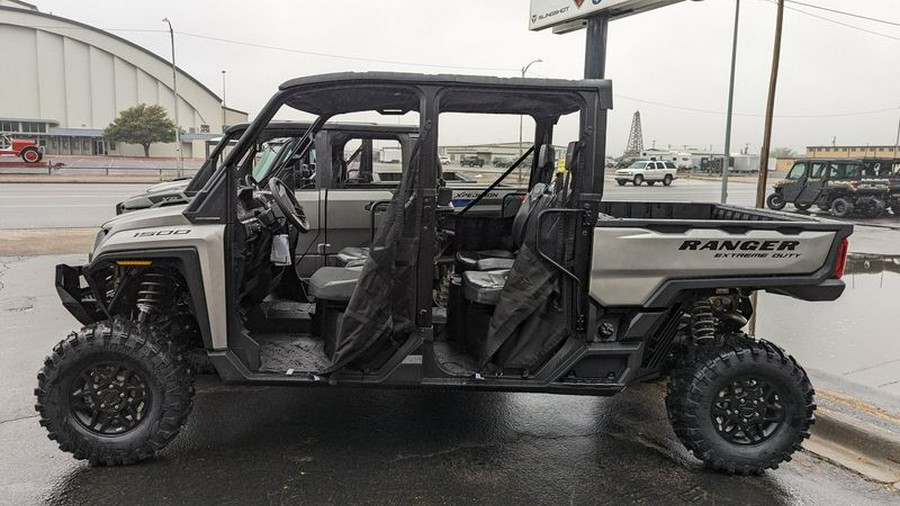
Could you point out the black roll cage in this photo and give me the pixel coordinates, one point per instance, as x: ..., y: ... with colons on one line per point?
x: 545, y: 100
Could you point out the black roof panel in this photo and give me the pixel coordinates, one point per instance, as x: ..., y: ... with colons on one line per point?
x: 345, y: 92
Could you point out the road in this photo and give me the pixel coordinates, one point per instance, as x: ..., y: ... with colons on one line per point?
x: 61, y: 205
x: 88, y: 205
x: 318, y: 446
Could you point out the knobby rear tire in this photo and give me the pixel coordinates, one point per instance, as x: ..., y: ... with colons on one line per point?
x: 705, y: 370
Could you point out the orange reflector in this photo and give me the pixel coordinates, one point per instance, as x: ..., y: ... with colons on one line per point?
x: 133, y: 263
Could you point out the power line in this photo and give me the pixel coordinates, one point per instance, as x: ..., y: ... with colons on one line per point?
x: 859, y: 28
x: 65, y: 27
x: 722, y: 113
x: 291, y: 50
x: 749, y: 115
x: 845, y: 13
x: 342, y: 57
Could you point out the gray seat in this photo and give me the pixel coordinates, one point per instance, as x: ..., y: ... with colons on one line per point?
x: 334, y: 283
x: 501, y: 259
x: 484, y: 287
x: 494, y: 263
x: 352, y: 253
x: 474, y: 260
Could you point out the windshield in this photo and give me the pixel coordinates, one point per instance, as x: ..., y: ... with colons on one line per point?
x: 797, y: 171
x: 212, y: 162
x: 266, y: 157
x: 637, y: 165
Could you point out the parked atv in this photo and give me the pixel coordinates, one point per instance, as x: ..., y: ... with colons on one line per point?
x: 840, y: 186
x: 572, y: 295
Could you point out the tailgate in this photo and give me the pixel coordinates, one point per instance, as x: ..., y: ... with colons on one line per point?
x: 640, y: 261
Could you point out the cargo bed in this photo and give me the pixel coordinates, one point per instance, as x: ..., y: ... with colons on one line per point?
x: 645, y: 253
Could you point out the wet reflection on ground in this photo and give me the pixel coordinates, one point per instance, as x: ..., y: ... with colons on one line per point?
x: 855, y: 336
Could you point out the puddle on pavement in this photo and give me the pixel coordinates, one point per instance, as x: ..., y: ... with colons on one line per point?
x: 856, y: 336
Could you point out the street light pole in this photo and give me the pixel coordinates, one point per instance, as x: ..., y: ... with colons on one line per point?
x: 524, y: 70
x: 223, y: 102
x: 180, y: 167
x: 728, y: 114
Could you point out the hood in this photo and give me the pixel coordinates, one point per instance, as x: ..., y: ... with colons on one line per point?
x: 168, y: 187
x: 145, y: 218
x: 22, y: 143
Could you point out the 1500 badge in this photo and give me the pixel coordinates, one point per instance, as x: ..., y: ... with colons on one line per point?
x: 164, y: 232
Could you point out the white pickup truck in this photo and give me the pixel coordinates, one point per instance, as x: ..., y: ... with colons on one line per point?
x: 647, y: 171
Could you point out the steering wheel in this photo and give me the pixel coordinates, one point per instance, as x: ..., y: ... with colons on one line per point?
x: 288, y: 204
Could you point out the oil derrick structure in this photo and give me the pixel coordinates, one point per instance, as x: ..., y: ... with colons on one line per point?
x: 635, y: 137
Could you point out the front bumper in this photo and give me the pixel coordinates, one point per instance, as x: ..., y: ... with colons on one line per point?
x: 77, y: 299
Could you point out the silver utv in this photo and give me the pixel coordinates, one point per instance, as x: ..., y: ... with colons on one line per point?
x: 569, y: 294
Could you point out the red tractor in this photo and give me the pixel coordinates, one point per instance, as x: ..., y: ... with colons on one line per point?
x: 25, y: 148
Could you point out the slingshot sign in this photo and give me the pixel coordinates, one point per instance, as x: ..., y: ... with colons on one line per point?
x: 569, y: 15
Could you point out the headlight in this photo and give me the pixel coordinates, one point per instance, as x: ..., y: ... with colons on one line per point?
x: 101, y: 234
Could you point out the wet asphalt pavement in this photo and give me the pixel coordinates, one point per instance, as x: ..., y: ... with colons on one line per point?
x: 313, y: 446
x: 254, y: 445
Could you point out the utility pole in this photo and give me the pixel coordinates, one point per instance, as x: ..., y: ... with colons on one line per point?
x: 897, y: 142
x: 223, y: 102
x: 524, y: 70
x: 767, y: 138
x: 180, y: 166
x: 770, y: 108
x: 728, y: 114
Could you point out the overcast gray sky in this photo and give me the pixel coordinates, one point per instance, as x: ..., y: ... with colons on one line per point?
x: 672, y: 64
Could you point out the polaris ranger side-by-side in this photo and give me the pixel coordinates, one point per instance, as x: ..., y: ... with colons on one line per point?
x: 337, y: 188
x: 571, y: 295
x: 841, y: 186
x: 181, y: 191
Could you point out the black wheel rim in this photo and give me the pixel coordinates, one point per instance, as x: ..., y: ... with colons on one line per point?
x: 110, y: 398
x: 747, y: 411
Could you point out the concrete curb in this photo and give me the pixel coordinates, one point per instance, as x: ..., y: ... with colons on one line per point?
x: 861, y: 447
x: 865, y: 448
